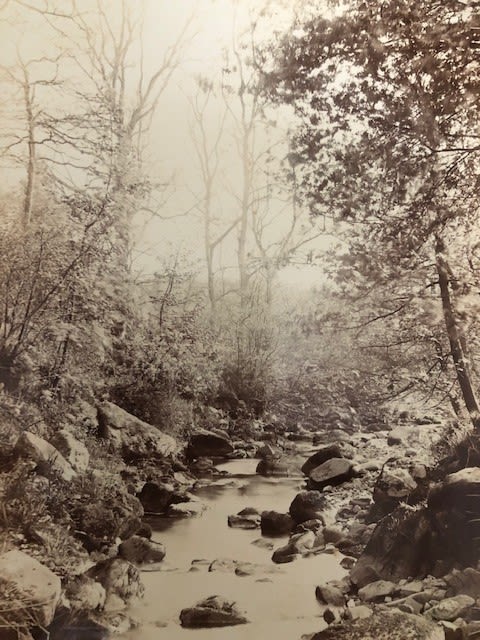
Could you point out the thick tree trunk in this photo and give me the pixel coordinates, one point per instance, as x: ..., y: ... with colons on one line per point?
x: 456, y: 337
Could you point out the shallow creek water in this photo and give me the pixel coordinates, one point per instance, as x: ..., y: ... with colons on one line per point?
x: 279, y: 605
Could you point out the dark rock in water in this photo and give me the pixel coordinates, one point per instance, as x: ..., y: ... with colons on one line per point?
x: 202, y: 467
x: 338, y: 450
x: 383, y: 625
x: 331, y: 615
x: 245, y: 519
x: 141, y: 551
x: 267, y: 451
x: 348, y: 562
x: 273, y: 467
x: 208, y: 444
x: 287, y: 553
x: 273, y: 523
x: 156, y: 497
x: 333, y: 472
x: 214, y: 611
x: 249, y: 511
x: 329, y: 594
x: 307, y: 505
x: 299, y: 544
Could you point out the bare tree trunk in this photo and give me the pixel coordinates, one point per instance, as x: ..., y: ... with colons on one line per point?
x: 244, y: 214
x: 31, y: 165
x: 456, y: 337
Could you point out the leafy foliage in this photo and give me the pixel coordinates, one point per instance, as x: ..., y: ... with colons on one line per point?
x: 387, y: 145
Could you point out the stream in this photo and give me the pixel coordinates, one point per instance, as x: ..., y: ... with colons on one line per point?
x: 279, y: 600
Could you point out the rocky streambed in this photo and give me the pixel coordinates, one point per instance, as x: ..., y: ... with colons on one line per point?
x: 275, y: 547
x: 355, y: 530
x: 206, y: 557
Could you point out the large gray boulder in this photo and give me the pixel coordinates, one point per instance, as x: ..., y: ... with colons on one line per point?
x: 399, y: 547
x: 131, y: 437
x: 49, y: 460
x: 206, y: 444
x: 332, y: 472
x: 74, y: 451
x: 214, y: 611
x: 31, y: 590
x: 337, y: 450
x: 383, y: 625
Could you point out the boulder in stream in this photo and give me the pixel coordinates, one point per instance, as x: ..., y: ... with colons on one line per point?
x: 332, y: 472
x: 214, y: 611
x: 141, y: 550
x: 273, y: 523
x: 156, y: 497
x: 299, y: 544
x: 207, y: 444
x: 248, y: 518
x: 307, y: 505
x: 337, y: 450
x: 274, y: 467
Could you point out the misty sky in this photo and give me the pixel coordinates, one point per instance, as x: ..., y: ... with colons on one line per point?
x: 170, y: 153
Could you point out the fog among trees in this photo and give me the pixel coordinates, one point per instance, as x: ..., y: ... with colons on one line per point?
x: 250, y: 216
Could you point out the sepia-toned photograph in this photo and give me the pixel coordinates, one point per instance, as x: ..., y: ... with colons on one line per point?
x: 240, y: 320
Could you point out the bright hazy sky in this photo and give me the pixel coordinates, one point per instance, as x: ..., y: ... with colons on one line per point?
x: 170, y: 156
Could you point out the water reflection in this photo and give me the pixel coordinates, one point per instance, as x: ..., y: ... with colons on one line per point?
x: 281, y: 605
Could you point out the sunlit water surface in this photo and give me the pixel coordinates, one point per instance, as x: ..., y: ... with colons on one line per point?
x: 279, y: 606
